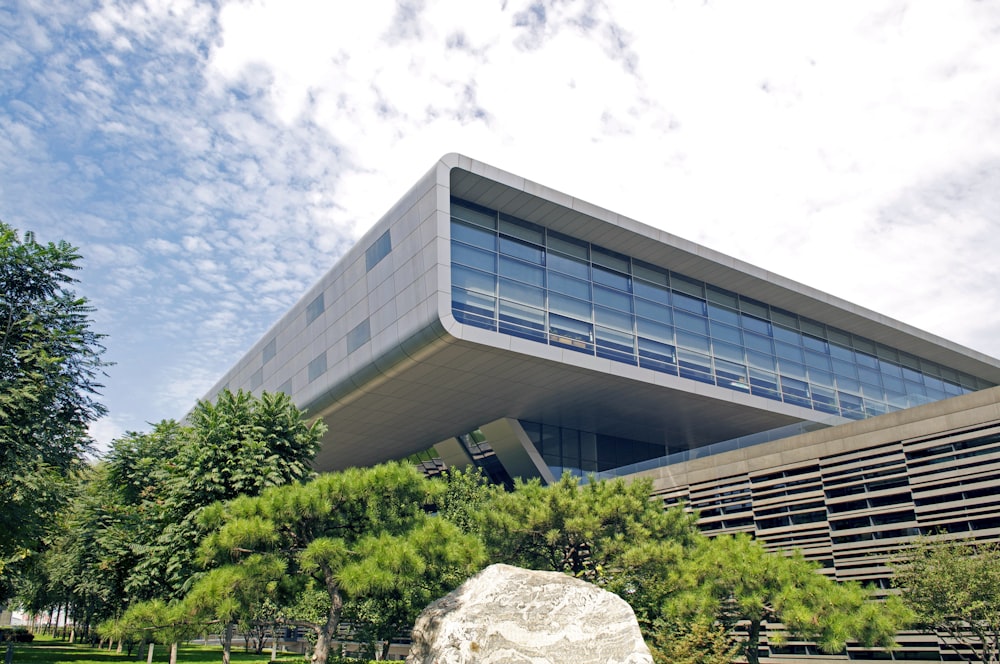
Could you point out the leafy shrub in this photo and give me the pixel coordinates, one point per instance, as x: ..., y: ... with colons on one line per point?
x: 16, y: 634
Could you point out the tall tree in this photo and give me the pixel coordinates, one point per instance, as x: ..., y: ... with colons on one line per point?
x: 954, y: 590
x: 358, y: 534
x: 50, y: 362
x: 239, y: 445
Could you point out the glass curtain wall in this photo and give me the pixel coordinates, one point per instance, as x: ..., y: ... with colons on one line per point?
x: 514, y: 277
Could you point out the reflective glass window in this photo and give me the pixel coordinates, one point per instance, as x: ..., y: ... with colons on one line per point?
x: 654, y: 310
x: 842, y: 353
x: 788, y: 351
x: 814, y: 343
x: 847, y: 369
x: 761, y: 360
x: 890, y: 369
x: 650, y: 274
x: 818, y: 360
x: 820, y: 377
x: 474, y: 235
x: 616, y: 340
x: 611, y: 278
x: 612, y: 318
x: 693, y: 341
x: 521, y: 320
x: 792, y: 369
x: 473, y: 280
x: 726, y: 351
x: 852, y: 385
x: 569, y: 286
x: 523, y: 293
x: 473, y: 215
x: 755, y: 325
x: 726, y: 333
x: 763, y: 379
x: 609, y: 259
x: 758, y: 343
x: 655, y: 293
x: 521, y: 229
x: 865, y: 360
x: 893, y: 383
x: 723, y: 314
x: 787, y: 335
x: 569, y: 246
x: 694, y: 365
x: 850, y: 405
x: 473, y: 302
x: 569, y: 306
x: 688, y: 303
x: 522, y: 250
x: 656, y: 349
x: 657, y: 356
x: 691, y: 322
x: 567, y: 265
x: 912, y: 375
x: 570, y: 331
x: 683, y: 284
x: 794, y: 387
x: 515, y: 269
x: 473, y: 257
x: 609, y: 297
x: 653, y: 330
x: 734, y: 375
x: 869, y: 376
x: 825, y: 399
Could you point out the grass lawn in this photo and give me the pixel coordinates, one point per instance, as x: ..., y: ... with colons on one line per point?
x: 46, y: 651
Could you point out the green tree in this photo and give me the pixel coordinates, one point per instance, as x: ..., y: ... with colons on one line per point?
x: 733, y: 582
x: 50, y: 362
x: 238, y: 445
x: 357, y: 534
x: 580, y: 529
x: 953, y: 588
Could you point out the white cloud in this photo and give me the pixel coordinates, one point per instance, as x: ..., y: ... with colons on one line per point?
x: 203, y: 156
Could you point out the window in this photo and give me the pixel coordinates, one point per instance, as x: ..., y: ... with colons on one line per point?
x: 317, y: 367
x: 270, y: 350
x: 315, y: 308
x: 359, y: 336
x: 378, y: 250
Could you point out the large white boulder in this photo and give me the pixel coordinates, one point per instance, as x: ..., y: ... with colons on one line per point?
x: 508, y: 614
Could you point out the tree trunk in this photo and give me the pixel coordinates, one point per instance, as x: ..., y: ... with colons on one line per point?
x: 385, y: 650
x: 274, y: 642
x: 173, y: 653
x: 227, y: 642
x: 329, y: 629
x: 753, y: 642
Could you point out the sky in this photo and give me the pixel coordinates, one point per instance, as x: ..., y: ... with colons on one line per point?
x: 211, y: 160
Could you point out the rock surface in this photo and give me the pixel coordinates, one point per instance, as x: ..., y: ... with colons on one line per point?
x: 508, y: 614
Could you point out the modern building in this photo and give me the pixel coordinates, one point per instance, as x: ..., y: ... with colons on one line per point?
x: 491, y: 319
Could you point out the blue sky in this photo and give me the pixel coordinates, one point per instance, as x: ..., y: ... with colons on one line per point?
x: 212, y: 160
